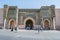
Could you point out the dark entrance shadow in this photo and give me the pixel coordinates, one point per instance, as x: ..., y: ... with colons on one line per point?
x: 29, y: 24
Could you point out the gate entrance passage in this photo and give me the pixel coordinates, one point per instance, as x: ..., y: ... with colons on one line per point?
x: 29, y: 23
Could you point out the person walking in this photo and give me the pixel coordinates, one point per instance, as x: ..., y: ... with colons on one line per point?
x: 15, y: 28
x: 11, y: 28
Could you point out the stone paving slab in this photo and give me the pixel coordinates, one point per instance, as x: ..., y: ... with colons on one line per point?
x: 29, y: 35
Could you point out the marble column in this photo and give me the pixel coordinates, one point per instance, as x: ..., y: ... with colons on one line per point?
x: 36, y: 20
x: 54, y: 22
x: 5, y: 20
x: 42, y: 22
x: 16, y: 18
x: 21, y: 19
x: 4, y: 23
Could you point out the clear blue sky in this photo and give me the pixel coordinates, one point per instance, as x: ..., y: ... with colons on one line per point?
x: 30, y: 3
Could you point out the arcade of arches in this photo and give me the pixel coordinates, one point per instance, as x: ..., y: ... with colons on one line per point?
x: 29, y: 17
x: 29, y: 23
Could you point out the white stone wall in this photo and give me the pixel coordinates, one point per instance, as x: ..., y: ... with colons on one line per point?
x: 1, y: 17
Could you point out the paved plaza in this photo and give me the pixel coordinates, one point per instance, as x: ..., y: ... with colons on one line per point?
x: 29, y: 35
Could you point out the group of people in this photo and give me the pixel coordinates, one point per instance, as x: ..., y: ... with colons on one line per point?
x: 43, y: 28
x: 14, y: 28
x: 29, y: 28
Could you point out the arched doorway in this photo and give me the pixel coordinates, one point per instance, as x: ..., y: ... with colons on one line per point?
x: 29, y: 23
x: 46, y: 25
x: 12, y: 24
